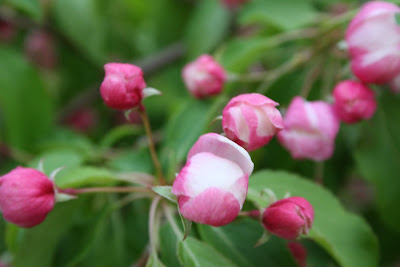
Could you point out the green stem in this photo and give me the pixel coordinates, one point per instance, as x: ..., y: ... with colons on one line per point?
x: 286, y: 67
x: 319, y: 172
x: 156, y: 162
x: 172, y: 222
x: 153, y: 229
x: 118, y: 189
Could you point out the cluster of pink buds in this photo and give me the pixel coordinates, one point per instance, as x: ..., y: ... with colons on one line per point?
x: 204, y: 77
x: 26, y: 196
x: 212, y: 187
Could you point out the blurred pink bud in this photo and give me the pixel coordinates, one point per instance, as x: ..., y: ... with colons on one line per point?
x: 354, y: 101
x: 212, y: 186
x: 7, y: 31
x: 123, y: 85
x: 395, y: 84
x: 39, y: 48
x: 289, y: 217
x: 204, y: 77
x: 251, y: 120
x: 373, y: 38
x: 298, y: 252
x: 233, y: 3
x: 310, y: 129
x: 26, y: 196
x: 82, y: 120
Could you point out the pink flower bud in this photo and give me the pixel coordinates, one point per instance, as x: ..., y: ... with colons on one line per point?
x: 298, y: 252
x: 373, y: 38
x: 82, y: 120
x: 233, y: 3
x: 310, y: 129
x: 204, y: 77
x: 212, y: 186
x: 354, y: 101
x: 395, y: 84
x: 40, y: 49
x: 251, y: 120
x: 123, y: 85
x: 26, y: 196
x: 7, y: 30
x: 289, y: 217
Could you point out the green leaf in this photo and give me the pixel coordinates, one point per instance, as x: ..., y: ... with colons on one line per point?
x: 37, y: 245
x: 284, y: 14
x: 25, y: 107
x: 194, y: 253
x: 185, y: 127
x: 120, y: 132
x: 82, y: 23
x: 133, y: 160
x: 208, y: 26
x: 57, y: 158
x: 64, y: 139
x: 236, y: 241
x: 168, y: 245
x: 154, y: 261
x: 378, y: 158
x: 29, y: 7
x: 166, y: 192
x: 85, y: 176
x: 345, y: 236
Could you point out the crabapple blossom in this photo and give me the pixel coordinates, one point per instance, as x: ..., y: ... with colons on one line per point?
x: 310, y: 129
x: 373, y: 39
x: 212, y: 186
x: 204, y: 77
x: 251, y: 120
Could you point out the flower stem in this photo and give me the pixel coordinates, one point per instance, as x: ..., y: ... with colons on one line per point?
x: 319, y: 173
x: 153, y: 225
x: 118, y: 189
x: 156, y: 162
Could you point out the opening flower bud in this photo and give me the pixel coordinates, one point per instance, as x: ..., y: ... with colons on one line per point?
x: 251, y: 120
x: 26, y: 196
x: 289, y: 217
x: 212, y: 186
x: 204, y: 77
x: 373, y: 38
x: 310, y: 129
x: 354, y: 101
x: 122, y: 87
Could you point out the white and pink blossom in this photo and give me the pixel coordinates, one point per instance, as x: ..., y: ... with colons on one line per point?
x: 373, y: 39
x: 310, y: 129
x: 251, y: 120
x: 204, y: 77
x: 212, y: 186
